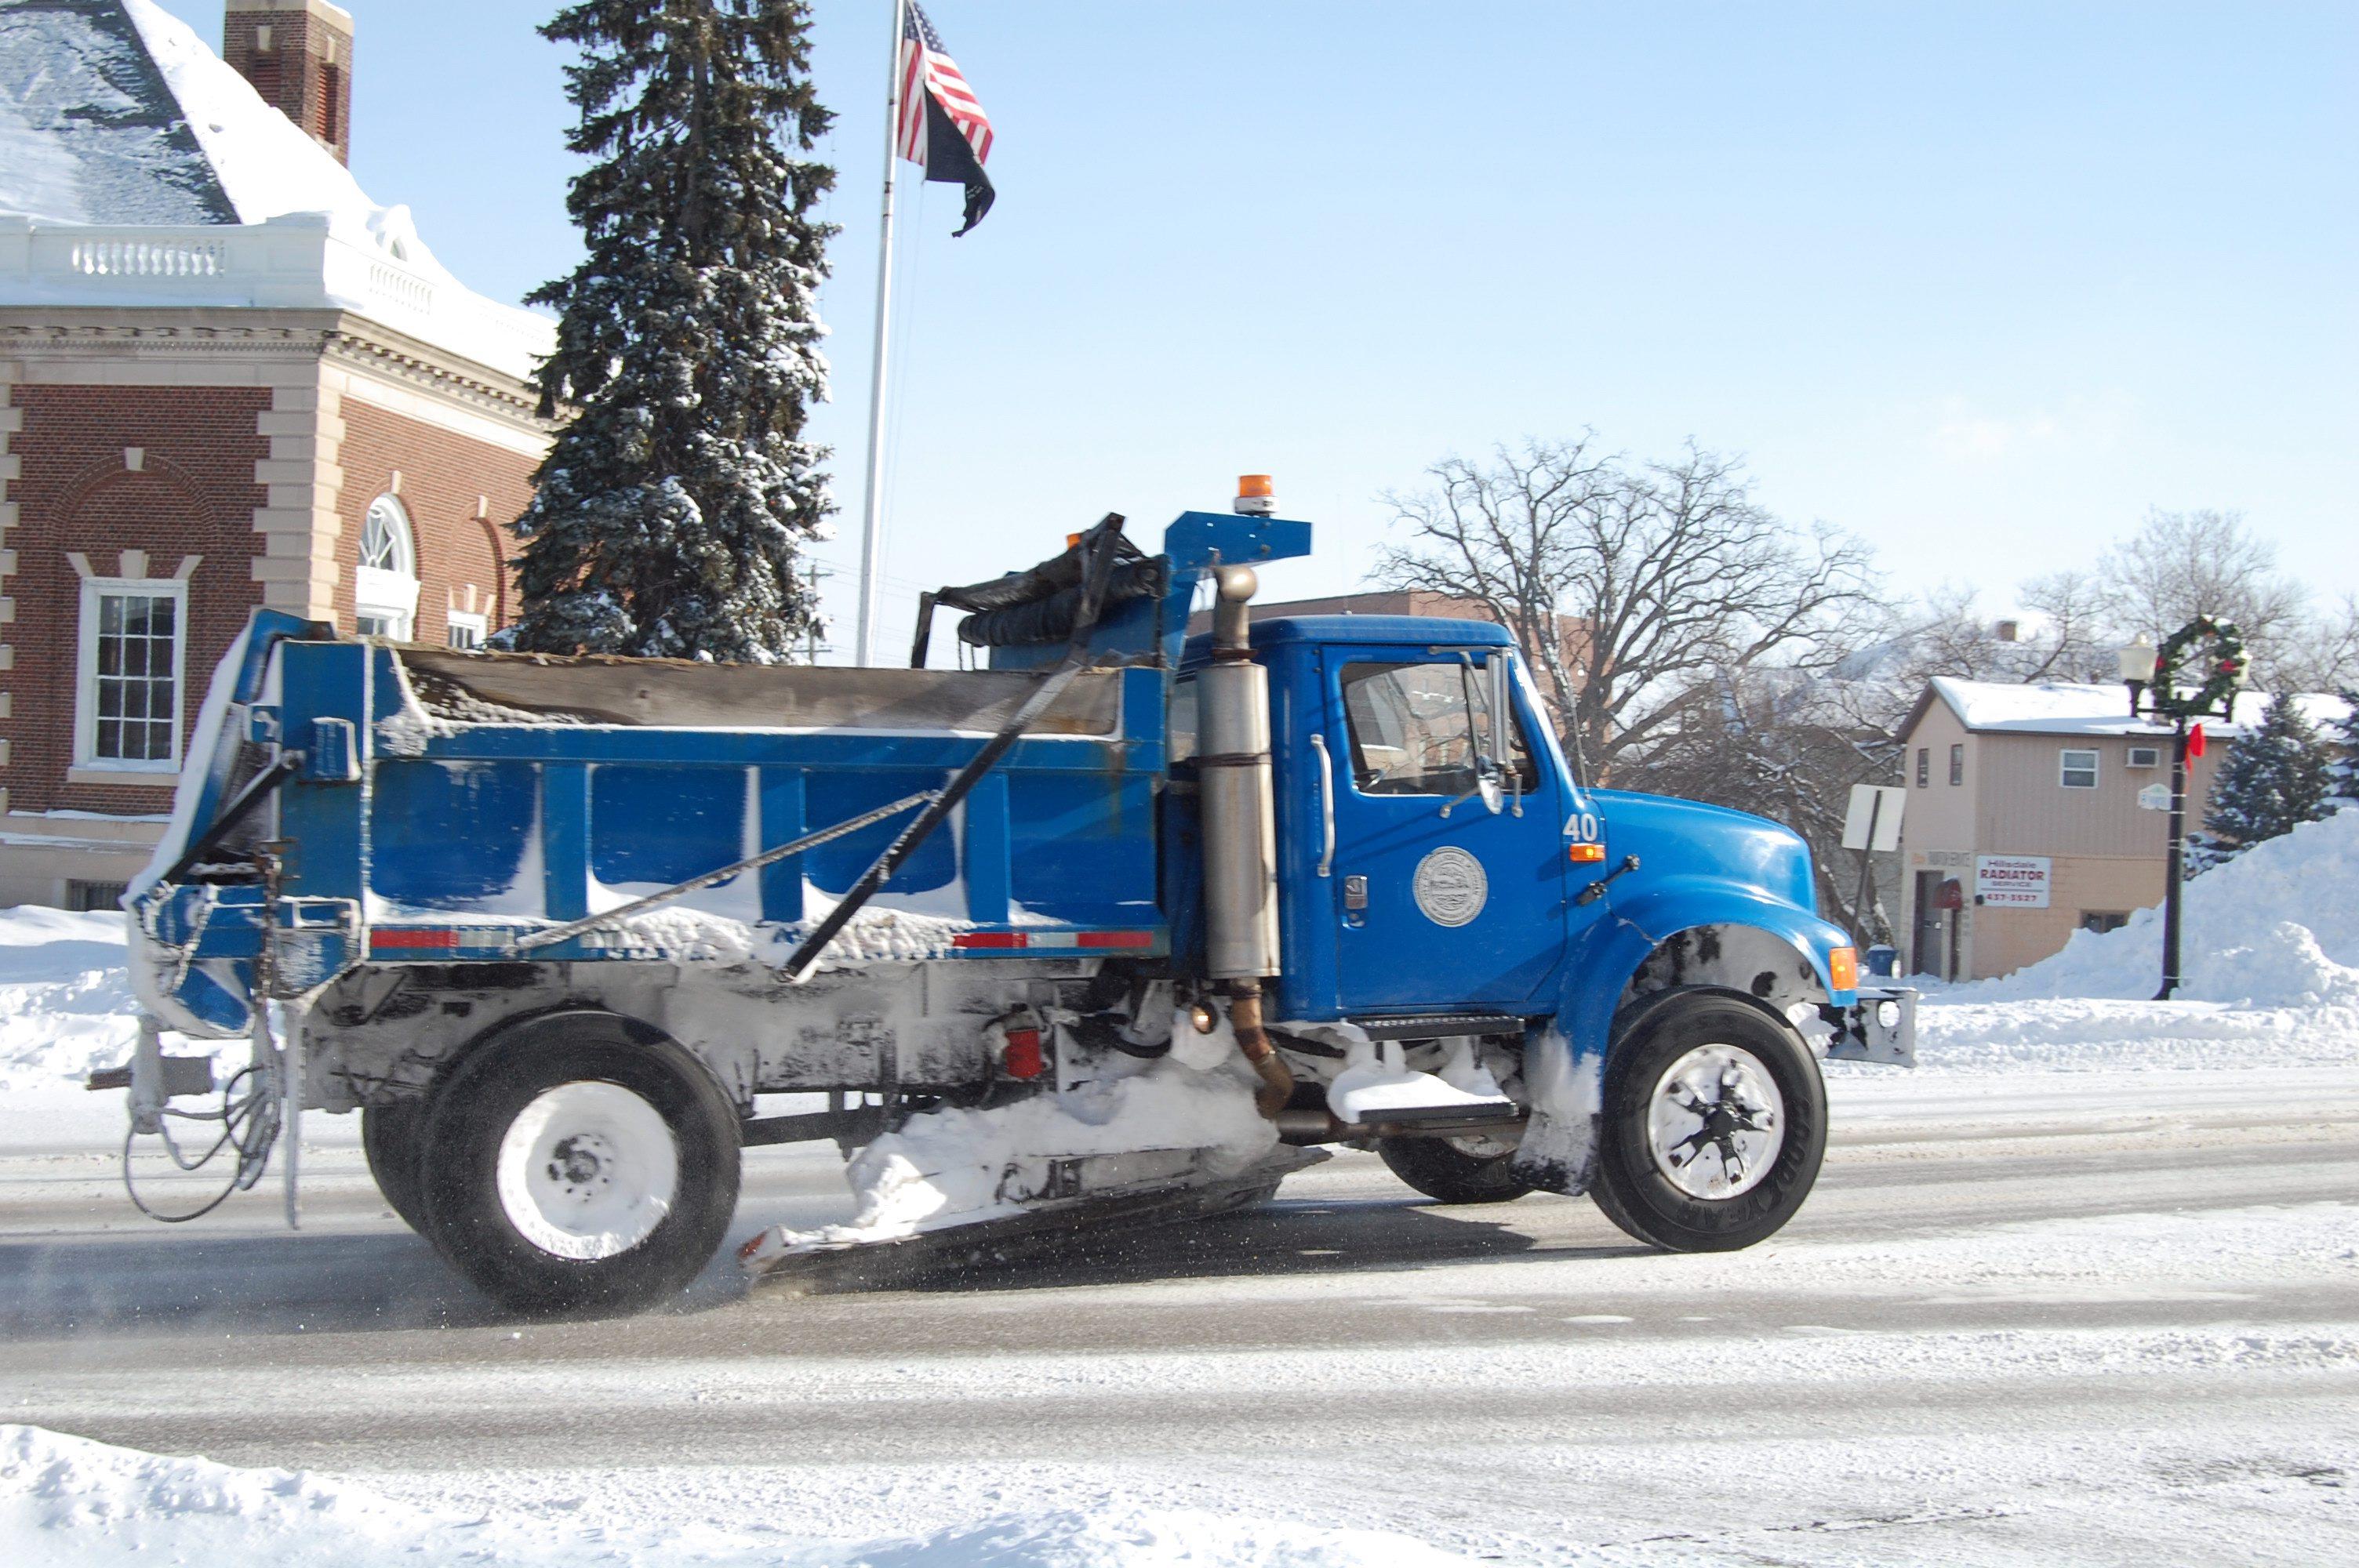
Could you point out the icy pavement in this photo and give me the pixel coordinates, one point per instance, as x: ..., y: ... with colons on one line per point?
x: 2084, y: 1288
x: 2038, y: 1317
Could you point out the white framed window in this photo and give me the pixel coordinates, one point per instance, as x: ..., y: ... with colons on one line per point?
x: 384, y: 584
x: 2077, y: 769
x: 2145, y: 756
x: 467, y: 630
x: 133, y: 649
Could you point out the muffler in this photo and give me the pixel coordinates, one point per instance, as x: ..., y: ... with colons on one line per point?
x: 1239, y: 819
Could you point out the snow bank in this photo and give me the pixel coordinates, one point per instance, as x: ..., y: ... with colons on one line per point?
x: 68, y: 1500
x: 65, y: 1002
x: 945, y: 1167
x: 2269, y: 945
x: 2278, y: 926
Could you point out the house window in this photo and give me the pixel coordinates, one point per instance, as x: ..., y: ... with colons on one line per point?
x: 467, y: 630
x: 127, y: 709
x: 384, y: 584
x: 89, y: 898
x: 1957, y: 764
x: 2145, y: 756
x: 2078, y: 770
x: 2103, y: 920
x: 1924, y: 766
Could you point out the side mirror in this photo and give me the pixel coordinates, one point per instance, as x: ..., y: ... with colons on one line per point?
x: 1491, y: 738
x: 1502, y: 721
x: 1487, y: 774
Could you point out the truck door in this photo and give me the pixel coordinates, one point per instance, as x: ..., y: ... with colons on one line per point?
x: 1438, y: 903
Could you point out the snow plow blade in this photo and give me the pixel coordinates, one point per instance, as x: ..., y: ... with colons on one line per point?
x: 1043, y: 1229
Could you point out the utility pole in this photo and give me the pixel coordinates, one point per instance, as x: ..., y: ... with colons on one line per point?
x: 812, y: 574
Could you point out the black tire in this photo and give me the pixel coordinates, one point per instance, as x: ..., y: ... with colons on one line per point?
x: 1633, y: 1189
x: 389, y: 1137
x: 1439, y: 1169
x: 469, y: 1222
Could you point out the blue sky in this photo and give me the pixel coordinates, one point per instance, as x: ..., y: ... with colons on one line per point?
x: 1979, y: 283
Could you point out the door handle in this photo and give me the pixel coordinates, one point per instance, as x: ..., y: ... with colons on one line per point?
x: 1326, y: 807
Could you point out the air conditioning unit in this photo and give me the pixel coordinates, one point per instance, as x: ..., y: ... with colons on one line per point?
x: 2145, y: 756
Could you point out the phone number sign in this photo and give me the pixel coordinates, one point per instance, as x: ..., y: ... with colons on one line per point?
x: 2012, y: 881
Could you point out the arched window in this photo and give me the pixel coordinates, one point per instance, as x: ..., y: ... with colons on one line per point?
x: 385, y: 586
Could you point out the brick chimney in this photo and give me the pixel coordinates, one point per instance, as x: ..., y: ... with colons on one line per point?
x: 299, y: 56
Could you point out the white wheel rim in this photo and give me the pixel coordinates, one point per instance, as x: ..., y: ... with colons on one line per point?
x: 1715, y: 1122
x: 587, y: 1171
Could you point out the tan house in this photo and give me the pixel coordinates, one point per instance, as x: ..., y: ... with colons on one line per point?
x: 2035, y: 811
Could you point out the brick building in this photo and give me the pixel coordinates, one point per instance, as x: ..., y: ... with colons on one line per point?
x: 227, y: 379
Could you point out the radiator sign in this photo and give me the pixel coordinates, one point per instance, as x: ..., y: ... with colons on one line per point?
x: 2011, y: 881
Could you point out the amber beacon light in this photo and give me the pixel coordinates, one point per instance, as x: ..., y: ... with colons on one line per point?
x: 1254, y: 499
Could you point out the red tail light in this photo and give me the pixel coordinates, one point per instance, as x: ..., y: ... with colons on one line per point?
x: 1023, y: 1058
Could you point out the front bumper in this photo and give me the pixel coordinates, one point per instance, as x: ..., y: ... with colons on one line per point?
x: 1880, y: 1026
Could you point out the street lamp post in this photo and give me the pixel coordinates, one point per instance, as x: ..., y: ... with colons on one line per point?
x: 2153, y: 676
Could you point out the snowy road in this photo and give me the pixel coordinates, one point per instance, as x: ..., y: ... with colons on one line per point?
x: 2091, y: 1317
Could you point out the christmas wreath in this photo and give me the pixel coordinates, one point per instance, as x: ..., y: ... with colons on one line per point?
x: 2211, y: 648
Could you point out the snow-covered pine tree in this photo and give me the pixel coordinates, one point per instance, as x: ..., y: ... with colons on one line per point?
x: 2275, y: 780
x: 667, y: 518
x: 2342, y: 768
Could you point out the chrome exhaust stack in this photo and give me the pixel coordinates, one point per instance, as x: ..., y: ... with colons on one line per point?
x: 1239, y: 816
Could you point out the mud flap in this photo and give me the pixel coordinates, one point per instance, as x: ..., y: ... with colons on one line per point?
x: 1567, y: 1094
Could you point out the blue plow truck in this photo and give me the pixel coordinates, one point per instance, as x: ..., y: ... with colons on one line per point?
x: 551, y: 925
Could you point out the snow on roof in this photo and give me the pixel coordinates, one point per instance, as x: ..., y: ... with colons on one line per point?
x: 265, y: 163
x: 2059, y: 708
x: 89, y: 130
x: 147, y: 172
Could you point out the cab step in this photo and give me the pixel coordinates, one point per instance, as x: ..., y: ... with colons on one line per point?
x: 1439, y: 1025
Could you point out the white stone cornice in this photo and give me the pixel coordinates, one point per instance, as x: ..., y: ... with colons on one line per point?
x: 246, y: 348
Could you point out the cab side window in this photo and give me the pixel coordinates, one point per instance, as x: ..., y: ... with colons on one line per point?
x: 1415, y: 726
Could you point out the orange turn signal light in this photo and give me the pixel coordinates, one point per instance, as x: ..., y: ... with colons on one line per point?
x: 1584, y: 854
x: 1843, y: 968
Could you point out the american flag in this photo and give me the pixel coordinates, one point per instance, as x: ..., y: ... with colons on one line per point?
x: 944, y: 127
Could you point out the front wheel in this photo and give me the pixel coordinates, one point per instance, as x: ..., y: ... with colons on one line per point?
x: 574, y: 1167
x: 1715, y: 1123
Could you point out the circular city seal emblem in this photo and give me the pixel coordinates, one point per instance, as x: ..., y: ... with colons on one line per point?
x: 1451, y: 887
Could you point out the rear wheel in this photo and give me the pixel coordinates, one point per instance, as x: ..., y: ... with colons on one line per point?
x: 389, y: 1137
x: 1474, y: 1168
x: 1715, y: 1123
x: 574, y: 1167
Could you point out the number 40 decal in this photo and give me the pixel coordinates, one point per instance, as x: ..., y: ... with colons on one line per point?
x: 1582, y: 828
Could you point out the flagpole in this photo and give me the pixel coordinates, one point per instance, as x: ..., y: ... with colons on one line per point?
x: 872, y: 527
